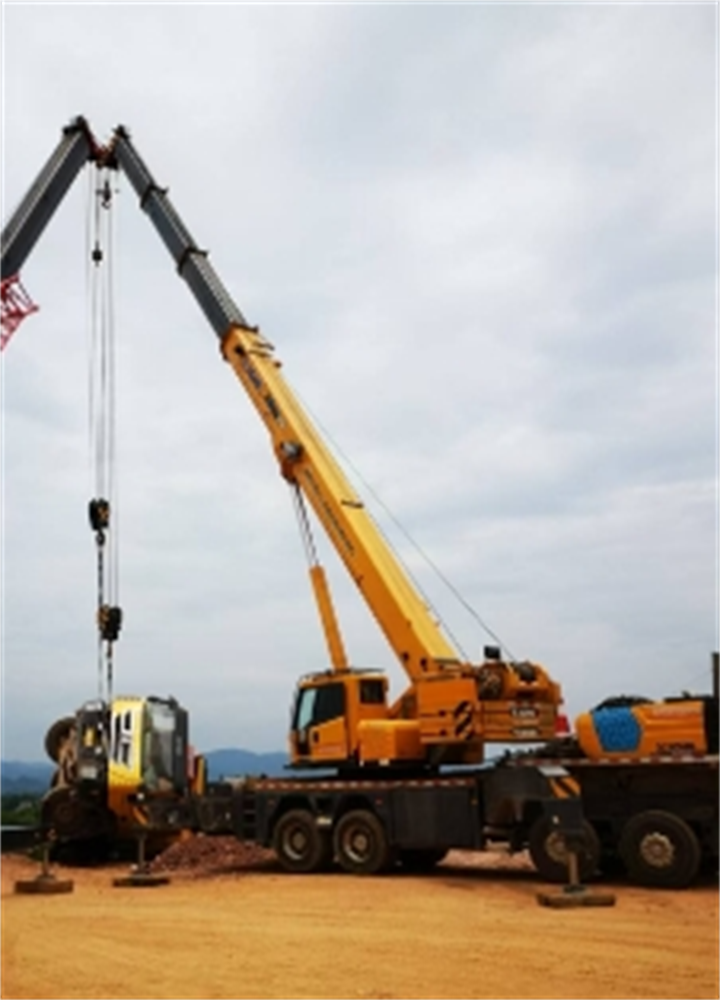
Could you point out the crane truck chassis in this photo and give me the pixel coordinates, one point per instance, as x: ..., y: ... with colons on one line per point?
x: 370, y: 825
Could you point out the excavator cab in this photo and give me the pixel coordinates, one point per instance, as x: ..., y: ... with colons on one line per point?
x: 106, y: 754
x: 148, y: 749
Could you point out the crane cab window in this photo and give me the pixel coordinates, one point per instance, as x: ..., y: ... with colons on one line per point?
x: 305, y: 708
x: 319, y: 704
x: 330, y: 703
x: 372, y: 692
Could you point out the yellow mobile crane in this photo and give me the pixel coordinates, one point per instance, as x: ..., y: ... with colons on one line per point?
x: 647, y: 773
x: 451, y: 708
x: 390, y: 797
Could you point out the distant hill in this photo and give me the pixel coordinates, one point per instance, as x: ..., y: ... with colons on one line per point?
x: 232, y: 763
x: 19, y: 776
x: 32, y: 777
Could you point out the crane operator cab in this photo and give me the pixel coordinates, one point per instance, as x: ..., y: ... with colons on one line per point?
x: 331, y: 712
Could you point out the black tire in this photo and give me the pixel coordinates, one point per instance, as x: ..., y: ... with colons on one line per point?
x: 421, y: 859
x: 612, y: 865
x: 361, y: 844
x: 660, y: 849
x: 56, y: 736
x: 71, y: 819
x: 549, y: 854
x: 298, y: 843
x: 63, y: 813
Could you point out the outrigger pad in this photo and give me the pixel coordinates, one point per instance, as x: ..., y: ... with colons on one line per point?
x: 44, y: 885
x: 139, y: 880
x: 575, y: 897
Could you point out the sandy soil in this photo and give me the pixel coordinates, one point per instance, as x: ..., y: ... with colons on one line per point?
x: 472, y: 929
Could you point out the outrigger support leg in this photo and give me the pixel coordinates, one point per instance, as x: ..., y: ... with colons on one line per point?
x: 44, y: 883
x: 140, y: 875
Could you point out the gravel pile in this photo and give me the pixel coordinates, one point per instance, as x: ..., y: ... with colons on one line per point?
x: 199, y: 855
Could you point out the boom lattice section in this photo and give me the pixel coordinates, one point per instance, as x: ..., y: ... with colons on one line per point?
x: 15, y: 305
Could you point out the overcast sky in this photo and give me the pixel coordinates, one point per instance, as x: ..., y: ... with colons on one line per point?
x: 483, y: 241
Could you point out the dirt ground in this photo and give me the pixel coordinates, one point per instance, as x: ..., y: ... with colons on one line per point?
x: 472, y: 929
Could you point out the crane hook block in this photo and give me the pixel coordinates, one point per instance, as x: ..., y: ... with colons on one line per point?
x: 99, y: 511
x: 109, y: 622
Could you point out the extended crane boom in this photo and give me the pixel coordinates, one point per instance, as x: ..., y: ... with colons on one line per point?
x: 452, y: 708
x: 303, y: 457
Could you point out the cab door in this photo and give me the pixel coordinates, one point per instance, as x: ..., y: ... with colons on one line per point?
x: 320, y: 732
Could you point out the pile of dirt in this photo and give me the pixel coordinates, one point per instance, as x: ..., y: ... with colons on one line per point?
x: 200, y: 855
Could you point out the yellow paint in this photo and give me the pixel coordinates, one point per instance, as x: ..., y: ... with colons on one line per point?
x: 439, y: 678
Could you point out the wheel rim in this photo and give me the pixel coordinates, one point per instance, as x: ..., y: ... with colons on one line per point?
x: 556, y: 848
x: 357, y: 844
x: 295, y: 843
x: 657, y: 850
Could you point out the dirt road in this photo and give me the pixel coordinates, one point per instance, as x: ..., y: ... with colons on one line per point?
x: 466, y: 931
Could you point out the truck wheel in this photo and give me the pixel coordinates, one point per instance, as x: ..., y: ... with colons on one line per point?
x: 549, y: 853
x: 660, y: 849
x: 56, y: 735
x: 300, y: 846
x: 420, y: 859
x: 361, y: 844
